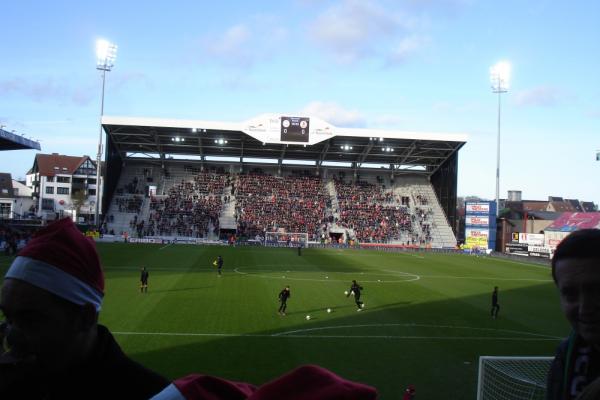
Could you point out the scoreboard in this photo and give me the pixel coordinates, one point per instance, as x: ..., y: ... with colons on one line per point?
x: 295, y: 129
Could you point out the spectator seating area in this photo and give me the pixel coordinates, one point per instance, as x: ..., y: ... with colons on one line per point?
x: 190, y: 209
x: 191, y: 203
x: 287, y: 204
x: 373, y: 213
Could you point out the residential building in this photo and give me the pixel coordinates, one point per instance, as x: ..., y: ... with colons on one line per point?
x: 64, y: 185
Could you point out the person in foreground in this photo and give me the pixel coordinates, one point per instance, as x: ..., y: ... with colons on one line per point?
x: 52, y: 344
x: 576, y: 272
x: 308, y: 382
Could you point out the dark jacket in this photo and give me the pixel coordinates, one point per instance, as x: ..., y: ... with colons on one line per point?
x: 554, y: 384
x: 107, y: 374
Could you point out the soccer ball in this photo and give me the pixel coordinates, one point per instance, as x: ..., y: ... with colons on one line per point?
x: 346, y: 293
x: 308, y: 317
x: 329, y: 310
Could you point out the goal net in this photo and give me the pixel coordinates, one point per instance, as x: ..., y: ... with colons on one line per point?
x: 292, y: 239
x: 513, y: 378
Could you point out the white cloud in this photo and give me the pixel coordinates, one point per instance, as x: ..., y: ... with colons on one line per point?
x: 405, y: 49
x: 388, y: 121
x: 356, y: 29
x: 335, y: 114
x: 35, y: 90
x: 594, y: 113
x: 541, y: 96
x: 242, y: 45
x: 58, y: 90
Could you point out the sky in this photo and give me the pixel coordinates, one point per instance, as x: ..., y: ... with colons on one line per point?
x: 414, y: 65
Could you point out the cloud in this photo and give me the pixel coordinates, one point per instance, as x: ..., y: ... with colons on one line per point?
x: 356, y: 29
x: 335, y: 114
x: 405, y: 49
x: 594, y: 113
x: 541, y: 96
x: 243, y: 45
x: 389, y: 121
x: 37, y: 91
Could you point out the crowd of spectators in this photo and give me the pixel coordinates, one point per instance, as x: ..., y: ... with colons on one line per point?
x: 372, y: 212
x: 129, y: 204
x: 10, y: 239
x: 190, y: 208
x: 266, y: 203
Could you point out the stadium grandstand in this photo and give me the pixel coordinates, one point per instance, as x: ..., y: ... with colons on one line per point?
x: 205, y: 180
x: 12, y: 141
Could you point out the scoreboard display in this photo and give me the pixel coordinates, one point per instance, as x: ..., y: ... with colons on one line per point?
x: 295, y: 129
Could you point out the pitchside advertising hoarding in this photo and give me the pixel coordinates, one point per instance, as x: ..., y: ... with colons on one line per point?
x: 480, y: 225
x: 479, y: 208
x: 477, y: 220
x: 476, y: 238
x: 529, y: 244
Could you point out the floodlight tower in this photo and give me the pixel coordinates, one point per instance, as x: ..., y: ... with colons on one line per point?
x: 106, y: 53
x: 499, y: 76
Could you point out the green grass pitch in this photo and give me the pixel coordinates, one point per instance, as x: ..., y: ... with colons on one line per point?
x: 426, y: 318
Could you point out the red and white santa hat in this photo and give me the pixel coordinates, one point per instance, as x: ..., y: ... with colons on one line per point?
x: 61, y: 260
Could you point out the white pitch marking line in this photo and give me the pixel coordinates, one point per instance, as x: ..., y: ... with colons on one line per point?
x: 486, y: 277
x: 547, y: 268
x: 414, y: 325
x: 165, y: 246
x: 297, y: 333
x: 335, y: 336
x: 415, y: 277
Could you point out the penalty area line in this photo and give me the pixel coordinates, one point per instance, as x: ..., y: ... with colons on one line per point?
x: 296, y: 336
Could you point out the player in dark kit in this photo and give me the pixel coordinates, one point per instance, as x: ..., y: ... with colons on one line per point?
x: 144, y: 280
x: 284, y: 295
x: 356, y: 288
x: 219, y: 264
x: 495, y: 305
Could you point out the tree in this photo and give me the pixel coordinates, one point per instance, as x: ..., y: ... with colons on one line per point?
x: 78, y: 200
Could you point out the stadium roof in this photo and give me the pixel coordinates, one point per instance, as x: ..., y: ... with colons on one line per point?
x: 271, y: 138
x: 10, y: 141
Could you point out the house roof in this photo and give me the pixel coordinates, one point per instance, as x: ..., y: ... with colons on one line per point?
x: 6, y: 190
x: 52, y: 164
x: 534, y: 205
x: 588, y: 206
x: 545, y: 215
x: 562, y: 206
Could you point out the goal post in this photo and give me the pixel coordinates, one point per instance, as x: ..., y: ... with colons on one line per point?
x: 513, y: 378
x: 292, y: 239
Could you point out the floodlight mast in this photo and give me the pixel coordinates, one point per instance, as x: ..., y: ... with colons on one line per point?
x: 106, y: 53
x: 499, y: 76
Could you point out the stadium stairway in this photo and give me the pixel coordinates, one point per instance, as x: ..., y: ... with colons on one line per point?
x: 227, y: 217
x: 442, y: 234
x: 335, y: 206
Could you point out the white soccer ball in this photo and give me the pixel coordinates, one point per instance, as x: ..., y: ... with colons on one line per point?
x: 329, y: 310
x: 308, y: 317
x: 346, y: 293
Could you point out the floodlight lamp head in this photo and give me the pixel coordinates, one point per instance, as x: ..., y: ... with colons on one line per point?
x: 106, y: 54
x: 499, y: 76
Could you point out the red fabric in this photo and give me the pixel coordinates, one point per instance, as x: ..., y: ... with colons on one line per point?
x: 204, y: 387
x: 308, y: 382
x: 311, y: 382
x: 63, y: 246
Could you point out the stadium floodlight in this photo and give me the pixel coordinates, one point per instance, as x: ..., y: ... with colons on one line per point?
x: 499, y: 76
x: 106, y: 54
